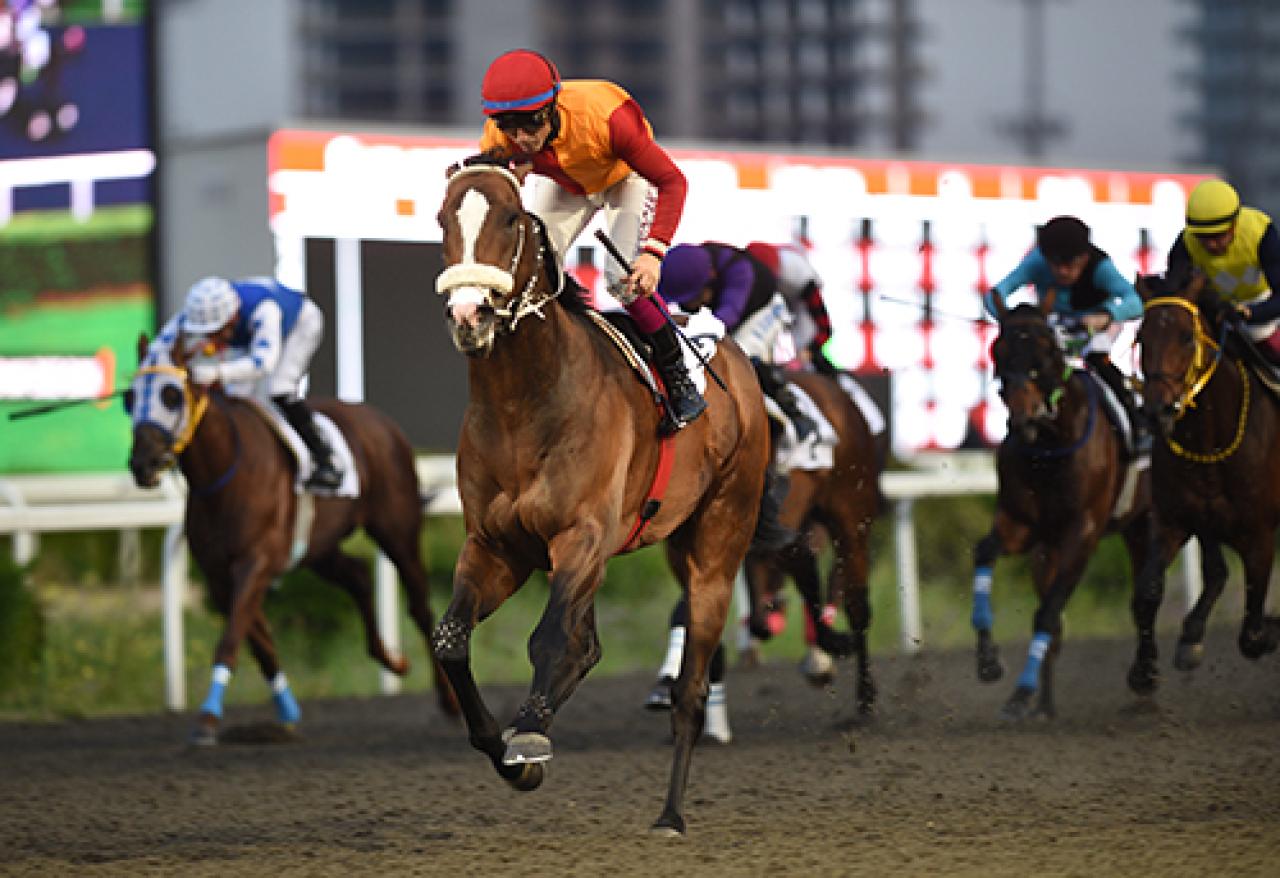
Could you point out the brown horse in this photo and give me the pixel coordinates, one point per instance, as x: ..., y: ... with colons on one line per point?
x: 555, y: 463
x: 1216, y: 472
x: 842, y: 502
x: 1061, y: 480
x: 241, y: 508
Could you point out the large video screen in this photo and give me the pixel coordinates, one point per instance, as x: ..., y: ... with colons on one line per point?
x: 77, y: 220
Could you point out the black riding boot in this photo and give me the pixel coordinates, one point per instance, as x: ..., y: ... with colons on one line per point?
x: 775, y: 385
x: 298, y: 414
x: 684, y: 402
x: 1108, y: 372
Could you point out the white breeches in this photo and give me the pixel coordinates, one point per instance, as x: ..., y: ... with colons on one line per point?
x: 295, y: 355
x: 628, y: 213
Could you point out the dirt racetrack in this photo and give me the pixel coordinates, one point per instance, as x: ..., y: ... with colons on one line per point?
x: 1186, y: 785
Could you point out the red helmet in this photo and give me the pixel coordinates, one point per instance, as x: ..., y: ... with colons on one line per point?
x: 519, y: 81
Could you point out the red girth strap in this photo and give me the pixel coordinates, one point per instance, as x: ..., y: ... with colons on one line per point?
x: 657, y: 490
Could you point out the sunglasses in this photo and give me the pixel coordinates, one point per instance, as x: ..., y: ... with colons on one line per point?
x: 529, y: 123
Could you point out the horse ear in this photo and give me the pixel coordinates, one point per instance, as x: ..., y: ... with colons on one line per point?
x: 1196, y: 286
x: 1046, y: 304
x: 144, y: 345
x: 1142, y: 284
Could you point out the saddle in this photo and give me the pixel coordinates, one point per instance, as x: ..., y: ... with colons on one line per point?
x: 342, y: 456
x: 1268, y: 371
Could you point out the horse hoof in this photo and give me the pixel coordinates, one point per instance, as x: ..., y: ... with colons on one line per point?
x: 659, y: 697
x: 668, y: 826
x: 1018, y: 707
x: 527, y: 747
x: 529, y: 778
x: 1188, y: 656
x: 203, y: 736
x: 990, y: 671
x: 1143, y: 679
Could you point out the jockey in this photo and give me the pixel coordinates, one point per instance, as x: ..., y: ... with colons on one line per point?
x: 262, y: 332
x: 743, y: 293
x: 800, y: 285
x: 1238, y: 250
x: 1092, y: 297
x: 593, y: 150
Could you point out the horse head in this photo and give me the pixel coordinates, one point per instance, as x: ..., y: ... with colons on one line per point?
x: 1178, y: 352
x: 165, y: 408
x: 1030, y: 366
x: 493, y: 255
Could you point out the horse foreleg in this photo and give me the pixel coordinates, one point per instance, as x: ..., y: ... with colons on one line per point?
x: 1259, y: 634
x: 1213, y: 572
x: 1148, y: 592
x: 1005, y: 537
x: 481, y: 582
x: 802, y: 564
x: 352, y: 576
x: 564, y: 646
x: 241, y: 601
x: 1057, y: 571
x: 264, y: 651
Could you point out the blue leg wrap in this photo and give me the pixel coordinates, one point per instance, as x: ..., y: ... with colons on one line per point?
x: 218, y: 685
x: 287, y: 710
x: 983, y: 618
x: 1030, y: 678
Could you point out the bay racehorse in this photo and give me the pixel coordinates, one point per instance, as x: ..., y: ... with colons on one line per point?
x: 556, y: 459
x: 241, y: 509
x: 1215, y: 470
x: 1062, y: 484
x: 841, y: 502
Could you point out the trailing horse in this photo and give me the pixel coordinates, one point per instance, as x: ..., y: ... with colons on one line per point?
x: 556, y: 461
x: 841, y: 501
x: 242, y: 516
x: 1063, y: 484
x: 1216, y: 470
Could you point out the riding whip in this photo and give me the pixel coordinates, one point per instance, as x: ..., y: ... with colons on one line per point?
x: 622, y: 260
x: 62, y: 404
x: 934, y: 311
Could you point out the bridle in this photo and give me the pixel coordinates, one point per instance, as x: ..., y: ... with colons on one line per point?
x: 1201, y: 368
x: 478, y: 282
x: 1202, y: 365
x: 196, y: 406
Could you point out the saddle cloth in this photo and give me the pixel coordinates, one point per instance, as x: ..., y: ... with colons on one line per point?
x: 342, y: 457
x: 1134, y: 466
x: 871, y: 413
x: 817, y: 451
x: 702, y: 328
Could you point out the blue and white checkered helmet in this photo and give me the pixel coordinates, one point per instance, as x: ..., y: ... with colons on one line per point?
x: 211, y: 302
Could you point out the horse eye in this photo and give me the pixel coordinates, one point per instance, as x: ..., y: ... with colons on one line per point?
x: 128, y: 399
x: 171, y: 397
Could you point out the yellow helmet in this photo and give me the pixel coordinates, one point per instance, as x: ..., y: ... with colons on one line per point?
x: 1212, y: 207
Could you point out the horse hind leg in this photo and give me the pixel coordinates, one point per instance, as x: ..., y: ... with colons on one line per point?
x: 352, y: 575
x: 1259, y: 633
x: 404, y: 552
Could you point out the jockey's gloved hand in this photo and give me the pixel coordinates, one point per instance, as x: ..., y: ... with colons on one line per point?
x: 205, y: 373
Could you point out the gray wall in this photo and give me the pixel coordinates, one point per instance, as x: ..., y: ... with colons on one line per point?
x: 224, y: 82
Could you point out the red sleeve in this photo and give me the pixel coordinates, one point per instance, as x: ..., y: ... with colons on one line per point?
x: 634, y: 145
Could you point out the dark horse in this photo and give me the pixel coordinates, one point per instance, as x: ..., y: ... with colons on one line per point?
x: 1063, y: 484
x: 241, y: 508
x: 841, y: 501
x: 555, y: 462
x: 1216, y: 470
